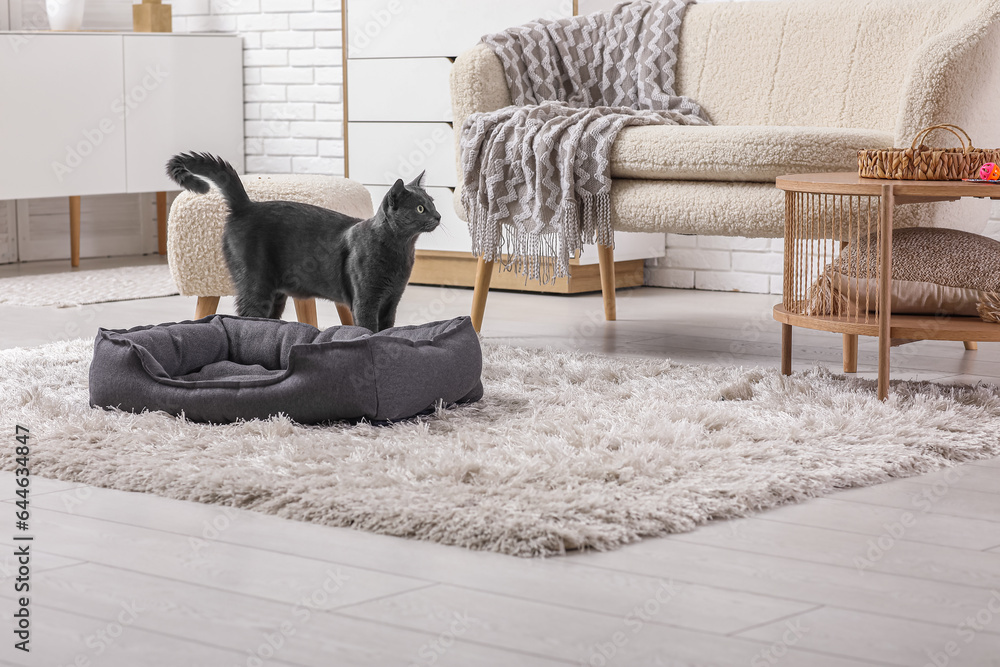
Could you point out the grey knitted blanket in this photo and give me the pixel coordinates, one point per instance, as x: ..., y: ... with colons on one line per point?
x: 536, y: 174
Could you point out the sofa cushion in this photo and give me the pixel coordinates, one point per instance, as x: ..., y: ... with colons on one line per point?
x: 755, y: 153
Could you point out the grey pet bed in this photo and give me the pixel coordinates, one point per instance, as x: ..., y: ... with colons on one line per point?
x: 222, y: 369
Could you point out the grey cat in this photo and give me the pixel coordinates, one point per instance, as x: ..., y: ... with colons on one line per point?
x: 277, y: 249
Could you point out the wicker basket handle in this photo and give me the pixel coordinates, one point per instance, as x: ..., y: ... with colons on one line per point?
x: 966, y: 147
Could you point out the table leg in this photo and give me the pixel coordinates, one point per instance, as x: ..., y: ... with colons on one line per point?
x: 786, y: 349
x: 850, y: 353
x: 885, y: 290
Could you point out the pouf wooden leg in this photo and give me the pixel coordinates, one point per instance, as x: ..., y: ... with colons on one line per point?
x: 850, y: 353
x: 606, y: 258
x: 346, y: 318
x: 305, y: 309
x: 484, y: 273
x: 207, y: 305
x: 971, y: 345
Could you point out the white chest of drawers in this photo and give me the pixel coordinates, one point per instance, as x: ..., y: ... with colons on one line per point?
x: 397, y: 61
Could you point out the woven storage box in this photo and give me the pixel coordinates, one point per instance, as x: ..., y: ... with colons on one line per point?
x: 920, y: 163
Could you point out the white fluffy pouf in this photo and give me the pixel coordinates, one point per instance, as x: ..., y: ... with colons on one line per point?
x: 194, y: 227
x: 565, y: 451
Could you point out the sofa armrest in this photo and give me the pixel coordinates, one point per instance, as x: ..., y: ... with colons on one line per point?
x: 955, y: 78
x: 478, y: 84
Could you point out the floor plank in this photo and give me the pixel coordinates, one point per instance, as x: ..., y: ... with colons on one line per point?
x: 305, y: 634
x: 855, y: 551
x: 571, y: 583
x: 259, y: 572
x: 875, y: 521
x: 59, y: 639
x: 583, y: 637
x: 910, y: 493
x: 892, y: 641
x: 804, y: 580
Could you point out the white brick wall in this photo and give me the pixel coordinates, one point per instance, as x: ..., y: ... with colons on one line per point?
x: 292, y: 74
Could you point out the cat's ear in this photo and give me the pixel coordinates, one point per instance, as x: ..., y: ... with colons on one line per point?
x: 395, y: 192
x: 418, y: 181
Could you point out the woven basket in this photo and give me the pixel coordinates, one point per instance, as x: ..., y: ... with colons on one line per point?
x: 920, y: 163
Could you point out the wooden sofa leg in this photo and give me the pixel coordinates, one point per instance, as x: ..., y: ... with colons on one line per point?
x: 305, y: 309
x: 207, y: 305
x: 606, y: 257
x: 484, y: 273
x: 346, y: 318
x: 971, y: 345
x: 850, y: 353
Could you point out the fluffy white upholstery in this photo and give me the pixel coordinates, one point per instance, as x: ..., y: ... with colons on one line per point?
x: 772, y: 74
x: 756, y: 153
x: 194, y: 228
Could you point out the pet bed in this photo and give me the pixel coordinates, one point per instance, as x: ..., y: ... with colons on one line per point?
x: 223, y: 369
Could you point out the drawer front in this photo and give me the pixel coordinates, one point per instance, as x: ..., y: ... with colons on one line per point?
x: 399, y: 89
x: 451, y: 235
x: 380, y: 153
x: 415, y: 28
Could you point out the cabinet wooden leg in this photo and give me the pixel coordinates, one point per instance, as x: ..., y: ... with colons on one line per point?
x: 74, y: 231
x: 786, y: 349
x: 971, y: 345
x: 346, y: 318
x: 484, y: 273
x: 850, y: 353
x: 161, y: 222
x: 305, y: 310
x: 207, y: 305
x: 606, y: 257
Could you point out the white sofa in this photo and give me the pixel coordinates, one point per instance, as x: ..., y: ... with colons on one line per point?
x: 794, y: 86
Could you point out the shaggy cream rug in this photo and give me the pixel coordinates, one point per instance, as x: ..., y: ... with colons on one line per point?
x: 565, y: 451
x: 77, y: 288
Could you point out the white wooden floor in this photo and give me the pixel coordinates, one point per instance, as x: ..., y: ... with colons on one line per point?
x: 906, y: 573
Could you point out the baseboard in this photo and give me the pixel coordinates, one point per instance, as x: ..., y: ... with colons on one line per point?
x: 458, y: 269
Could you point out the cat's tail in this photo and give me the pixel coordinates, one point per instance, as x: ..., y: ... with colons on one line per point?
x: 193, y: 171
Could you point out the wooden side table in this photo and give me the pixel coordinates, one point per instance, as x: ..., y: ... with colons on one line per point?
x: 824, y: 210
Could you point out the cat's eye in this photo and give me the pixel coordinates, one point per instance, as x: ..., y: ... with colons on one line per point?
x: 420, y: 209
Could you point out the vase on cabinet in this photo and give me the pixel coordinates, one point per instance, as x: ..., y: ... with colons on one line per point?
x: 65, y: 14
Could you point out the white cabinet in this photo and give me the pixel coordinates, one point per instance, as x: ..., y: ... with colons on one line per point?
x: 399, y: 56
x: 62, y: 131
x: 100, y: 113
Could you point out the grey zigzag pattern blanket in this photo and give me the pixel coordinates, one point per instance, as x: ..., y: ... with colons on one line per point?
x: 537, y: 174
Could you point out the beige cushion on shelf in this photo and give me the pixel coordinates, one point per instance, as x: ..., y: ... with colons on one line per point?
x: 194, y: 227
x: 934, y: 272
x: 757, y: 153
